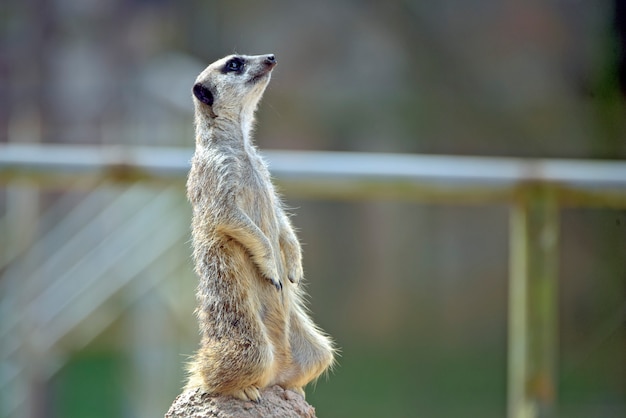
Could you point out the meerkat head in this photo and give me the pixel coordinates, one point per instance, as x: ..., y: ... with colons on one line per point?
x: 231, y: 87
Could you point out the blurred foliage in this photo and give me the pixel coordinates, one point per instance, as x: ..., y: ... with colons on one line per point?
x: 89, y: 386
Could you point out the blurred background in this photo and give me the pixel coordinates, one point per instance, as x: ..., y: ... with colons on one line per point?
x: 96, y: 281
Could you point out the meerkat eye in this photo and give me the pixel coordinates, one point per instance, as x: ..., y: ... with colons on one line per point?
x: 234, y: 65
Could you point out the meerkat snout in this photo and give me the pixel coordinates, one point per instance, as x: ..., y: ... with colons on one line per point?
x: 268, y: 64
x: 203, y: 94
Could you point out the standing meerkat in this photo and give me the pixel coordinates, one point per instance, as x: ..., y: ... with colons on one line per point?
x: 255, y: 330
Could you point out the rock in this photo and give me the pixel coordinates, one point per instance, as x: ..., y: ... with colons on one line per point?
x: 275, y: 402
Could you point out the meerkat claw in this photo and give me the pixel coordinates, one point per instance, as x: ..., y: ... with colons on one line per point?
x: 295, y: 279
x: 277, y: 283
x: 295, y: 273
x: 253, y: 394
x: 250, y: 393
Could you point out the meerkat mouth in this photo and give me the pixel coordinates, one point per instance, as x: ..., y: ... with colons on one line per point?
x: 261, y: 75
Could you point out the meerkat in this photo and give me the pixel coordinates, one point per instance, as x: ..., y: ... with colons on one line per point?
x: 255, y: 330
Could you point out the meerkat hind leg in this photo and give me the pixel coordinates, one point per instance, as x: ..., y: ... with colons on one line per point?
x: 312, y: 351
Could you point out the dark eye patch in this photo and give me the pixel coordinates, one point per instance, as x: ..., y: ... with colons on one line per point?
x: 234, y: 65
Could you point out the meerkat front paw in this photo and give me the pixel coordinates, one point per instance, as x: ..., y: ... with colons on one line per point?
x: 292, y: 255
x: 270, y: 272
x: 294, y: 270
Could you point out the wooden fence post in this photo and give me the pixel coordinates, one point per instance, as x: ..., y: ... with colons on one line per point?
x: 533, y: 303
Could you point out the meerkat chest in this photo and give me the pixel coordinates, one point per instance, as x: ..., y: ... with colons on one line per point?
x: 257, y: 196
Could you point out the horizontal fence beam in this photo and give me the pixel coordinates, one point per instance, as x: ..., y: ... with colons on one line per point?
x: 429, y: 178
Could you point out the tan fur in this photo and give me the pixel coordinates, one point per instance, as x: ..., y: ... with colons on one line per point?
x: 254, y: 325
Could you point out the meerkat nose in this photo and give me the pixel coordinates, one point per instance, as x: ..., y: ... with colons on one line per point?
x: 270, y: 59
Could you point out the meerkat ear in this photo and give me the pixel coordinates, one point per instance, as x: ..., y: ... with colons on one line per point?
x: 203, y: 94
